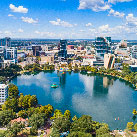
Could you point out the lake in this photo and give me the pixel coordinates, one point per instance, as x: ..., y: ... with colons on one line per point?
x: 103, y: 98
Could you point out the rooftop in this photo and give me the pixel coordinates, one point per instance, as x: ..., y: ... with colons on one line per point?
x: 3, y: 86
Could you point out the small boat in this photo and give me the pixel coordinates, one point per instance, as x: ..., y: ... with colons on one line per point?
x: 54, y: 86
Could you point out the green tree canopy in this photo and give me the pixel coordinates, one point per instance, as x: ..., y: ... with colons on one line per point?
x: 104, y: 129
x: 83, y: 124
x: 36, y: 121
x: 6, y: 116
x: 10, y: 104
x: 14, y: 128
x: 61, y: 124
x: 13, y: 91
x: 130, y: 126
x: 135, y: 127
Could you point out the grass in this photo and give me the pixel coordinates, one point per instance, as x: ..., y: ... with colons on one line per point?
x: 2, y: 131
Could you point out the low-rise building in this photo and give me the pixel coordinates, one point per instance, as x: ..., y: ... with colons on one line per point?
x: 47, y: 59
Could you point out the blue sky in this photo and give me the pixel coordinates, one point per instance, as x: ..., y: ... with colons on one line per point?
x: 68, y: 19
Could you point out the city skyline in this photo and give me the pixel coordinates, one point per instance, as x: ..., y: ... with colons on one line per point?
x: 68, y: 19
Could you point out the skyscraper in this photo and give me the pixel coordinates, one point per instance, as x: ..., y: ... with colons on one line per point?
x: 102, y: 46
x: 62, y: 49
x: 5, y: 42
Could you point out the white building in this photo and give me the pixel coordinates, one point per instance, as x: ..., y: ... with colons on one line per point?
x: 3, y: 93
x: 11, y: 53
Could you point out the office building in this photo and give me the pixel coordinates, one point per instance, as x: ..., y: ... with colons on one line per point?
x: 10, y: 53
x: 36, y: 50
x: 134, y: 51
x: 102, y: 46
x: 3, y: 93
x: 62, y: 49
x: 109, y: 60
x: 5, y: 42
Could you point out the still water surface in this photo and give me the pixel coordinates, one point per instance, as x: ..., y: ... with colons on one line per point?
x: 101, y: 97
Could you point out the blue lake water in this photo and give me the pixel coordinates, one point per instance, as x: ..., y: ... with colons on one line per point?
x: 101, y: 97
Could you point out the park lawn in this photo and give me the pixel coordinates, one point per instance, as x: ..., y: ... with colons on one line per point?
x: 1, y: 131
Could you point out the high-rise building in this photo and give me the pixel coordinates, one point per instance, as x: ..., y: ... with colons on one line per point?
x: 3, y: 93
x: 10, y: 53
x: 5, y: 42
x: 36, y: 50
x: 102, y: 46
x: 2, y: 53
x: 62, y: 49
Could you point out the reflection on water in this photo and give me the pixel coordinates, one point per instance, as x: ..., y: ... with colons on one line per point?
x: 62, y: 78
x: 101, y: 97
x: 101, y: 86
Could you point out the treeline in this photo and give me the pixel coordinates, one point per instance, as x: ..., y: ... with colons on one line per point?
x: 77, y: 127
x: 125, y: 73
x: 36, y: 67
x: 8, y: 72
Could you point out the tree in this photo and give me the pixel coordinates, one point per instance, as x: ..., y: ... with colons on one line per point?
x: 134, y: 112
x: 83, y: 124
x: 6, y: 116
x: 13, y: 91
x: 79, y: 134
x: 27, y: 101
x: 32, y: 102
x: 33, y: 131
x: 10, y: 104
x: 104, y: 129
x: 36, y: 121
x: 57, y: 114
x: 74, y: 118
x: 135, y: 127
x: 31, y: 111
x: 67, y: 114
x: 48, y: 110
x: 14, y: 128
x: 23, y: 114
x: 61, y: 125
x: 130, y: 126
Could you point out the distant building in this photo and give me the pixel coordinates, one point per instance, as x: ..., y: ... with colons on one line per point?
x: 102, y: 46
x: 123, y: 44
x: 109, y: 60
x: 36, y: 50
x: 133, y: 68
x: 10, y: 53
x: 5, y: 42
x: 70, y: 47
x: 47, y: 59
x: 62, y: 49
x: 134, y: 51
x: 80, y: 48
x: 3, y: 93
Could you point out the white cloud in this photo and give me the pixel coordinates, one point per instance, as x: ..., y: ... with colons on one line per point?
x: 131, y: 20
x: 95, y: 5
x: 116, y: 13
x: 19, y: 9
x: 114, y: 1
x: 88, y: 24
x: 8, y: 33
x: 10, y: 15
x: 29, y: 20
x: 46, y: 34
x: 59, y: 22
x: 104, y: 28
x: 20, y: 30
